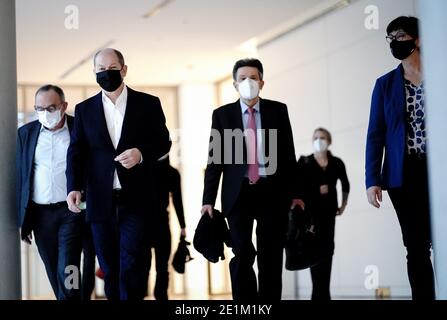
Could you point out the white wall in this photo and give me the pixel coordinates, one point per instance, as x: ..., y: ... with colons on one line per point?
x: 435, y: 44
x: 325, y: 72
x: 196, y: 104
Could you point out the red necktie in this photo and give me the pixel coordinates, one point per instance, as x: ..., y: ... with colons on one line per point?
x: 253, y: 166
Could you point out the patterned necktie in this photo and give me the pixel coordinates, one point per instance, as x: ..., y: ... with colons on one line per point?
x: 253, y: 166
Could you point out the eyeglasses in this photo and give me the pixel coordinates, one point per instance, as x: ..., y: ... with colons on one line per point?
x: 51, y: 108
x: 400, y: 36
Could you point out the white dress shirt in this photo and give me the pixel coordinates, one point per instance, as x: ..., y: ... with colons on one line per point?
x: 259, y: 143
x: 50, y: 162
x: 114, y: 114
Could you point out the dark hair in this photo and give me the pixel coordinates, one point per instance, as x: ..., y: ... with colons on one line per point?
x: 248, y: 62
x: 49, y: 87
x: 408, y: 24
x: 326, y: 132
x: 118, y: 54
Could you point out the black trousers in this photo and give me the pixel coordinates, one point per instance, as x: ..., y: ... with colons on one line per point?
x: 88, y: 263
x: 257, y: 202
x: 324, y: 218
x: 321, y: 280
x: 119, y: 244
x: 58, y: 238
x: 160, y: 242
x: 411, y: 202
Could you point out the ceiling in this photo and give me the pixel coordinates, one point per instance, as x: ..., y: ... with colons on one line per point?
x: 186, y: 41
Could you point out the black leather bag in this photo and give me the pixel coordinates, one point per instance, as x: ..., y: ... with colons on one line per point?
x: 302, y: 245
x: 181, y: 256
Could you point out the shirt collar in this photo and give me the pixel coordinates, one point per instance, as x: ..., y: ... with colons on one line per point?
x: 121, y: 99
x: 65, y: 126
x: 244, y: 107
x: 410, y: 84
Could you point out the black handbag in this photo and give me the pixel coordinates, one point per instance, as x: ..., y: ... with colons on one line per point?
x: 302, y: 247
x: 181, y: 255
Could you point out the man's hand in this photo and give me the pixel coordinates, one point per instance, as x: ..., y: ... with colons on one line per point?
x: 28, y: 239
x: 73, y: 201
x: 374, y: 194
x: 183, y: 232
x: 297, y: 202
x: 207, y: 208
x: 341, y: 209
x: 129, y: 158
x: 324, y: 189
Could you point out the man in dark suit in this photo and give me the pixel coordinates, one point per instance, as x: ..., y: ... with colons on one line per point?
x: 41, y: 190
x: 256, y: 186
x: 118, y: 136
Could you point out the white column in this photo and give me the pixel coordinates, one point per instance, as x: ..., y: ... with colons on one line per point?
x: 434, y: 48
x: 196, y: 104
x: 10, y: 287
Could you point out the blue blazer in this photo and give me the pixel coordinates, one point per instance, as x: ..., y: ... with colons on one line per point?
x: 387, y: 132
x: 91, y: 153
x: 26, y: 147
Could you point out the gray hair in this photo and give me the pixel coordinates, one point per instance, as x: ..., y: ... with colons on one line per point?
x: 49, y: 87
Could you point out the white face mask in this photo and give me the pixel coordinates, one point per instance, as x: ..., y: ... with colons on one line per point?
x: 49, y: 119
x: 248, y: 89
x: 320, y: 145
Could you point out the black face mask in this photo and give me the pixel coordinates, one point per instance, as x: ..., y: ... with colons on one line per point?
x: 109, y: 80
x: 401, y: 50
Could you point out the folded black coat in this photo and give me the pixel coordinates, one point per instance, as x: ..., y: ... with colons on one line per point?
x: 302, y: 245
x: 210, y: 236
x: 181, y: 256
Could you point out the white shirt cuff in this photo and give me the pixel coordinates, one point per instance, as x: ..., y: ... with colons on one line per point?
x: 141, y: 158
x: 164, y: 157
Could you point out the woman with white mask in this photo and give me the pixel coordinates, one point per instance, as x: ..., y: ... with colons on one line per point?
x: 319, y: 173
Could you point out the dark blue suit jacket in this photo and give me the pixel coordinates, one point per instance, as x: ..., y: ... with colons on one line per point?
x: 387, y: 132
x: 26, y: 146
x: 91, y: 153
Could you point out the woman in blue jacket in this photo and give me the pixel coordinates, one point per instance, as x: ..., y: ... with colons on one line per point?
x: 397, y: 131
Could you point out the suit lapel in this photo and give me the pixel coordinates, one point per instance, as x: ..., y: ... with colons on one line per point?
x: 237, y: 116
x: 399, y: 91
x: 266, y: 122
x: 265, y: 111
x: 69, y: 120
x: 100, y: 120
x: 33, y: 137
x: 127, y: 118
